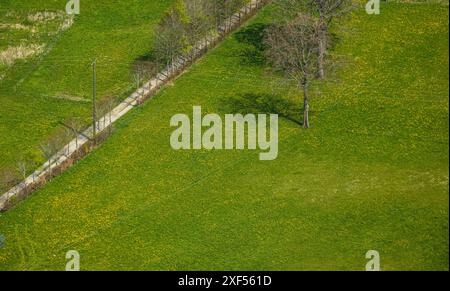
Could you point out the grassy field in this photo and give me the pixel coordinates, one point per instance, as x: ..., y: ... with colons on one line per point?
x: 372, y: 173
x: 48, y: 87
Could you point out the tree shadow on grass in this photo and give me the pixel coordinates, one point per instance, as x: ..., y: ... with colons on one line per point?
x: 252, y: 103
x: 252, y: 37
x: 146, y: 66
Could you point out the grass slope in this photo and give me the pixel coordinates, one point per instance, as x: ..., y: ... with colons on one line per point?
x: 371, y: 174
x: 114, y: 32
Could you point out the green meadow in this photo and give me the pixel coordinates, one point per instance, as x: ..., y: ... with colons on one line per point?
x: 46, y: 88
x: 371, y: 173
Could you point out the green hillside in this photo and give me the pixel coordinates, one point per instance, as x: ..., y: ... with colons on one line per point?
x: 46, y: 88
x: 372, y: 173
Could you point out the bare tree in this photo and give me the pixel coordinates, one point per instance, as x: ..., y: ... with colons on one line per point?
x: 187, y: 23
x: 325, y: 11
x: 222, y: 9
x: 47, y: 154
x: 111, y: 101
x: 66, y: 138
x: 74, y: 127
x: 22, y: 166
x: 137, y: 79
x: 206, y: 16
x: 201, y: 22
x: 105, y: 107
x: 50, y: 148
x: 145, y: 68
x: 171, y: 40
x: 293, y: 49
x: 8, y: 179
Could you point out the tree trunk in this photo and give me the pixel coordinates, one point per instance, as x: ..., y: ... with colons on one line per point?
x: 305, y: 104
x: 110, y: 120
x: 322, y: 48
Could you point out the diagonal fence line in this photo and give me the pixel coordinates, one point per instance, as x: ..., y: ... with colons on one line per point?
x: 82, y: 143
x: 102, y: 230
